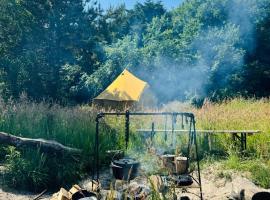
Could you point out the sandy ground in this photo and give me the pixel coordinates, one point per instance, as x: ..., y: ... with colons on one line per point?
x: 217, y: 185
x: 4, y: 195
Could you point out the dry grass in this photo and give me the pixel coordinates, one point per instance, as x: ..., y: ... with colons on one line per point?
x: 239, y: 114
x: 75, y: 127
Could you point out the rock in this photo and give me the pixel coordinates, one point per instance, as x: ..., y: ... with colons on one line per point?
x: 237, y: 195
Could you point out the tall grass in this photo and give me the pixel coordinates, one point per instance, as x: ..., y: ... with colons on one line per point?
x: 75, y: 127
x: 72, y: 126
x: 235, y: 114
x: 239, y: 114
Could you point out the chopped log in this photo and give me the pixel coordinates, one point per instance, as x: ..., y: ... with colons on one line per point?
x: 61, y: 195
x: 46, y: 146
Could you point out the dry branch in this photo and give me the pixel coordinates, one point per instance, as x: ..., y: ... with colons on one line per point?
x: 46, y: 146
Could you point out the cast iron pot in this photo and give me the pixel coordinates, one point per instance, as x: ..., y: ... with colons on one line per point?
x: 84, y: 195
x: 261, y: 196
x: 125, y: 169
x: 183, y: 180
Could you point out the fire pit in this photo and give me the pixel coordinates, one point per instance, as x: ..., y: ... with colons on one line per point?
x: 176, y: 165
x: 125, y: 169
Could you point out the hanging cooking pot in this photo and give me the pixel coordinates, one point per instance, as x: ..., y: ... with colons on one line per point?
x: 168, y: 162
x: 181, y: 164
x: 125, y: 169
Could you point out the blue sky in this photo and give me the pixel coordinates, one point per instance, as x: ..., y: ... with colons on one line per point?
x: 130, y: 3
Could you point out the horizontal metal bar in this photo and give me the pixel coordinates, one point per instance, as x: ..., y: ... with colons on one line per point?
x: 187, y: 114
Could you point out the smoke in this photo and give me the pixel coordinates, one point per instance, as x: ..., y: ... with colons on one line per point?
x: 217, y: 53
x: 173, y: 81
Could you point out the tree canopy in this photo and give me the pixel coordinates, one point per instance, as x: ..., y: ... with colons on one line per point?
x: 70, y: 50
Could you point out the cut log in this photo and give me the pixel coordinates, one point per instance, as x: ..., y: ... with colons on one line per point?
x: 46, y: 146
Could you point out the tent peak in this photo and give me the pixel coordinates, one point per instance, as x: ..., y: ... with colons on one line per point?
x: 126, y: 87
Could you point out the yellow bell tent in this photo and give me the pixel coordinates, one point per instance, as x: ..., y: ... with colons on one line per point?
x: 122, y: 93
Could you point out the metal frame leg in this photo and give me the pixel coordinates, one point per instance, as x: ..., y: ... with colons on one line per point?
x: 197, y: 158
x: 97, y: 148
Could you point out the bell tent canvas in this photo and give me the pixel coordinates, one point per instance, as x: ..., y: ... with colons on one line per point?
x: 124, y: 92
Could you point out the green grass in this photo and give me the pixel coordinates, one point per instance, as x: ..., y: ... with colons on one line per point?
x: 75, y: 127
x: 72, y: 126
x: 236, y: 114
x: 258, y: 168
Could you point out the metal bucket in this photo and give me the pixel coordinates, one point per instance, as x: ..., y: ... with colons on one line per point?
x: 181, y: 165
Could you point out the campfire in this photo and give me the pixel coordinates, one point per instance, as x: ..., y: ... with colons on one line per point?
x: 130, y: 183
x: 128, y: 178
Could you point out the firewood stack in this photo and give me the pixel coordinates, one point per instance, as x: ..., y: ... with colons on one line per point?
x: 76, y: 193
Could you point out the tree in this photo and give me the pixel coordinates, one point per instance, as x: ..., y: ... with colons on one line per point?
x: 48, y: 35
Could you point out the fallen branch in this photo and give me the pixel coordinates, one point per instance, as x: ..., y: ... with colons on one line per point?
x: 46, y: 146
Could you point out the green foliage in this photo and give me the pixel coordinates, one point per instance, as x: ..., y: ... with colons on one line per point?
x: 260, y: 174
x: 198, y: 39
x: 41, y: 37
x: 73, y: 127
x: 24, y: 173
x: 69, y: 51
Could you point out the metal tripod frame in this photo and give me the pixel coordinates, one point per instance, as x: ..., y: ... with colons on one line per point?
x: 192, y: 136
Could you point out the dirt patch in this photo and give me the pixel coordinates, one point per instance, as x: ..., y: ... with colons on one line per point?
x: 19, y: 196
x: 217, y: 184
